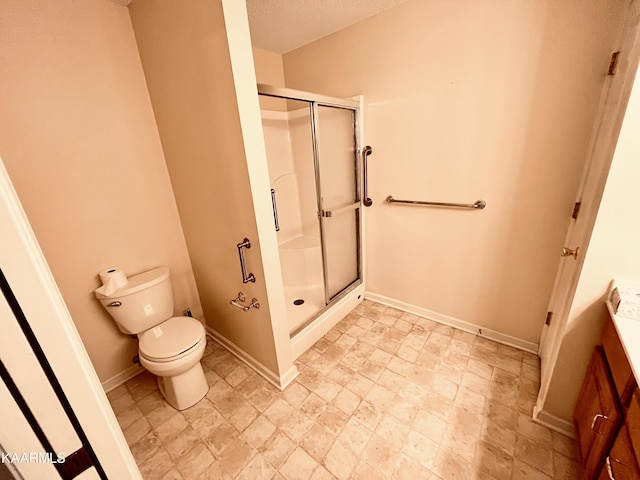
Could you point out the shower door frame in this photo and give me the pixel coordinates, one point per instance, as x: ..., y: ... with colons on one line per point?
x: 316, y: 100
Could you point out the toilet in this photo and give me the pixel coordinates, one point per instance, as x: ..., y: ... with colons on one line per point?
x: 169, y: 347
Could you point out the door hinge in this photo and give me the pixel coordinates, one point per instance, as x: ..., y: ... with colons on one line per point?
x: 548, y: 319
x: 576, y: 209
x: 613, y: 63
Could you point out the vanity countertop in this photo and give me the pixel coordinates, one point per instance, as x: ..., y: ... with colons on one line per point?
x: 629, y: 332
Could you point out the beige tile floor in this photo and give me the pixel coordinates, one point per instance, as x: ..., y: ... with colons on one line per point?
x: 384, y: 395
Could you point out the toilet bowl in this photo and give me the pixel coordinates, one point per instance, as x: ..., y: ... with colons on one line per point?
x: 169, y: 347
x: 172, y: 351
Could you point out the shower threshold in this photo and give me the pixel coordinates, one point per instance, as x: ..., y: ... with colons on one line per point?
x: 317, y: 325
x: 312, y: 297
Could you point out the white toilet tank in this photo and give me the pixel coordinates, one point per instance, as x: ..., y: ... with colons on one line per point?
x: 144, y: 302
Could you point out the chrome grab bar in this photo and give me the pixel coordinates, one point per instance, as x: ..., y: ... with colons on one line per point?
x: 245, y: 278
x: 241, y: 298
x: 480, y: 204
x: 275, y: 209
x: 366, y: 151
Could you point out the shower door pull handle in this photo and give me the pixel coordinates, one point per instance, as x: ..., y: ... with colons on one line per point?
x: 245, y: 278
x: 333, y: 213
x: 275, y: 209
x: 365, y: 176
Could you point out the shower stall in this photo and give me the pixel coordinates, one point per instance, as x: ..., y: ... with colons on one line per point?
x: 313, y: 158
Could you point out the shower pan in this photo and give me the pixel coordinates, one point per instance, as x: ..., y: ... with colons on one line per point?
x: 313, y: 157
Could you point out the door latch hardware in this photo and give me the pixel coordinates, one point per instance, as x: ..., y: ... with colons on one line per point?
x: 567, y: 252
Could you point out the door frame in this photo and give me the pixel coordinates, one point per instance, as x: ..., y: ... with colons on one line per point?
x: 50, y: 321
x: 603, y: 143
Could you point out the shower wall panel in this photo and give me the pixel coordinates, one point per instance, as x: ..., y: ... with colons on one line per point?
x: 301, y: 145
x: 282, y: 173
x: 289, y: 147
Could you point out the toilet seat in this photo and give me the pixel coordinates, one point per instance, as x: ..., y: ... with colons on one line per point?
x: 171, y: 339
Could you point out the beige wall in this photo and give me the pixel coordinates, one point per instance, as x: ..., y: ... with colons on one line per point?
x: 185, y: 54
x: 268, y: 69
x: 81, y: 146
x: 268, y: 66
x: 613, y: 253
x: 469, y: 100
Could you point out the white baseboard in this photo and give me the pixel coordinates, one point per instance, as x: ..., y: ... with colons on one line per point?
x: 279, y: 381
x: 554, y: 423
x: 122, y: 377
x: 456, y: 323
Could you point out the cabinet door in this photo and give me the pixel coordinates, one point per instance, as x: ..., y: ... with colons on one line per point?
x: 597, y: 416
x: 621, y: 462
x: 618, y: 363
x: 633, y: 423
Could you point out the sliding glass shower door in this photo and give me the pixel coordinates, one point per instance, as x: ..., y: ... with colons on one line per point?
x: 312, y: 152
x: 336, y: 153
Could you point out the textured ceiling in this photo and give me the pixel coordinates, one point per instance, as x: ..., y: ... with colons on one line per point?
x: 284, y: 25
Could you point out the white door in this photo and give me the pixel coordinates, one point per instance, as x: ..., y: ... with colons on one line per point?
x: 612, y: 109
x: 56, y: 420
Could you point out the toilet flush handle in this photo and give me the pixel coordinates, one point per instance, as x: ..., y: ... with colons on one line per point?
x: 114, y: 304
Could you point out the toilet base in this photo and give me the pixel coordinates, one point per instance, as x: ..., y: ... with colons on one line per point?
x: 184, y: 390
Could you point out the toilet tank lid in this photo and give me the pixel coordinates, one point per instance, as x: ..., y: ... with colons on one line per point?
x: 139, y: 282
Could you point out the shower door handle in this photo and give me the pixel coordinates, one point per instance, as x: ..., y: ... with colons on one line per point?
x: 365, y: 176
x: 275, y: 209
x: 338, y: 211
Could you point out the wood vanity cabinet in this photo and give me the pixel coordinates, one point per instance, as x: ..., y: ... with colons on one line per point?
x: 621, y: 462
x: 607, y: 414
x: 597, y: 416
